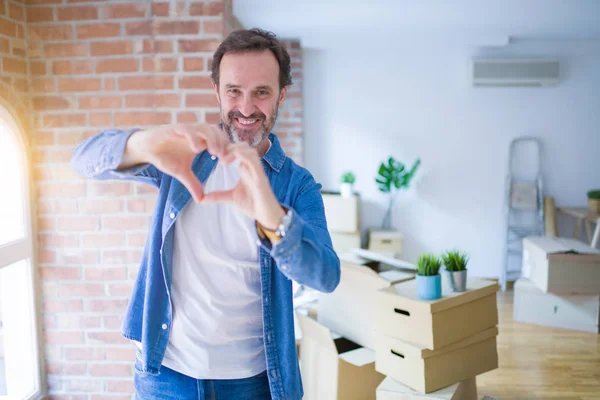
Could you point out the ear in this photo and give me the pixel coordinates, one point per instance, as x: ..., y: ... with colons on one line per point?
x: 216, y: 89
x: 282, y: 96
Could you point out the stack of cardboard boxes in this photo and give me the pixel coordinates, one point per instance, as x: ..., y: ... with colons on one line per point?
x: 337, y: 354
x: 343, y: 221
x: 373, y: 326
x: 429, y: 345
x: 560, y: 286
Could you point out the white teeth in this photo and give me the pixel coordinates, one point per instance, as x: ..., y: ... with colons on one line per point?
x: 247, y: 122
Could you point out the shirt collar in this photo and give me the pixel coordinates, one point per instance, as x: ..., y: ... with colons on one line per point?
x: 275, y: 156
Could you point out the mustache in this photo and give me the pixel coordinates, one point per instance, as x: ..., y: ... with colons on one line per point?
x: 237, y: 114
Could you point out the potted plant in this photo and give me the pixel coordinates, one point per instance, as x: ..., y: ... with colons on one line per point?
x: 346, y: 182
x: 429, y: 280
x: 594, y: 200
x: 392, y: 177
x: 456, y: 269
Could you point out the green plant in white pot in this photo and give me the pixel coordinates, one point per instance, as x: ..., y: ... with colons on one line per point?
x: 346, y: 184
x: 392, y: 177
x: 456, y: 269
x: 429, y: 280
x: 594, y: 200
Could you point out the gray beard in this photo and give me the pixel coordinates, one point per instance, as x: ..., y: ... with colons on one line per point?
x: 263, y: 133
x: 234, y: 135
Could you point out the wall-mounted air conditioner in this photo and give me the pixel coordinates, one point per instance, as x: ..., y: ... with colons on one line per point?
x: 515, y: 72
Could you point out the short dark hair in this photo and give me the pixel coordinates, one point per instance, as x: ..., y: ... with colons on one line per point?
x: 253, y: 40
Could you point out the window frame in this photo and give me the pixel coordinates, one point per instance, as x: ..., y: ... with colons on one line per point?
x: 24, y: 248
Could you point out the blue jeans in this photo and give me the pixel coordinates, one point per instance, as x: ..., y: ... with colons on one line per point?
x: 171, y: 385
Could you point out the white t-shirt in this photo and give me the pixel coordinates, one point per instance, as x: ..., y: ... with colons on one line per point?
x: 217, y: 329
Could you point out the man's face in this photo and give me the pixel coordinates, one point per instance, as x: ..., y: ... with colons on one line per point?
x: 249, y: 95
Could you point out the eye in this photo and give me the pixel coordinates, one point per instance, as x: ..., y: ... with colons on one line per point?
x: 262, y: 92
x: 233, y: 91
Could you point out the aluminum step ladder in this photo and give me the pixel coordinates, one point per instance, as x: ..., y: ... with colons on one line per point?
x: 524, y: 203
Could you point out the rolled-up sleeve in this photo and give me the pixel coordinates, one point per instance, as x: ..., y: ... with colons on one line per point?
x: 99, y: 156
x: 305, y: 254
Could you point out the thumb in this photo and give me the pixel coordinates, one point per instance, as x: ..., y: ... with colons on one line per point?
x: 192, y: 184
x: 225, y: 196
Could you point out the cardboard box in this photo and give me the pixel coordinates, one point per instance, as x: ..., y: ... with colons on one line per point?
x: 345, y: 242
x: 391, y: 389
x: 350, y: 308
x: 334, y: 367
x: 427, y: 370
x: 561, y: 265
x: 434, y: 324
x: 342, y: 213
x: 386, y: 242
x: 574, y: 312
x: 376, y: 257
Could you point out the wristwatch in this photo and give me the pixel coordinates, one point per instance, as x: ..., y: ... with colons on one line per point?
x: 284, y: 224
x: 281, y: 230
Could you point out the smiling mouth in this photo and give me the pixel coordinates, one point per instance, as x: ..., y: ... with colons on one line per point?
x: 247, y: 122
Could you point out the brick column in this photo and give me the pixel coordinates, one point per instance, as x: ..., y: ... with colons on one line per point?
x: 290, y: 123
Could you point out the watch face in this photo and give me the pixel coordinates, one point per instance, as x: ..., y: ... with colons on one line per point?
x: 287, y: 219
x: 285, y: 223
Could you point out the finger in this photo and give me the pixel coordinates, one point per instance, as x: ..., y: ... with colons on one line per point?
x: 240, y: 145
x: 223, y: 196
x: 197, y: 143
x: 222, y: 140
x: 249, y: 162
x: 192, y: 184
x: 229, y: 155
x: 245, y: 154
x: 209, y: 135
x: 227, y: 158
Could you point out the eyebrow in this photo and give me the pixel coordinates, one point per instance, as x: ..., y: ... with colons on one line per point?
x: 264, y: 87
x: 261, y: 87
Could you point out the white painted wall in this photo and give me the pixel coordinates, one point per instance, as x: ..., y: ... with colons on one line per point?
x: 363, y: 104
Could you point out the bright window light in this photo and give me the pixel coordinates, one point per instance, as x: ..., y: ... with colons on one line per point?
x: 17, y: 352
x: 12, y: 225
x: 20, y: 372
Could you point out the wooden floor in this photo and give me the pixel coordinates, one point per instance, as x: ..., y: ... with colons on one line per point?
x: 541, y: 363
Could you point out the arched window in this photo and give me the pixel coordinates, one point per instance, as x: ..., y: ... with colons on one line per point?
x: 19, y: 361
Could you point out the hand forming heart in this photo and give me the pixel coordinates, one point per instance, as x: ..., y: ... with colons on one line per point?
x: 173, y: 148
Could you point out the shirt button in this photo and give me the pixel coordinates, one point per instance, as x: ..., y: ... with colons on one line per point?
x: 172, y: 215
x: 213, y: 157
x: 164, y: 326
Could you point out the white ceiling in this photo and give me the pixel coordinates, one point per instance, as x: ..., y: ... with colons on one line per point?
x: 485, y: 22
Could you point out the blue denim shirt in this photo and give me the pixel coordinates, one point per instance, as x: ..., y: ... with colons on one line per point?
x: 304, y: 255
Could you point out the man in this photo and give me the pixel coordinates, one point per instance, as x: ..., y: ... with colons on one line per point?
x: 235, y: 222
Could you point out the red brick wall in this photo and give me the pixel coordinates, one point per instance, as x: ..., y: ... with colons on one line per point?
x: 14, y: 83
x: 104, y: 65
x: 95, y: 65
x: 230, y: 22
x: 290, y: 123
